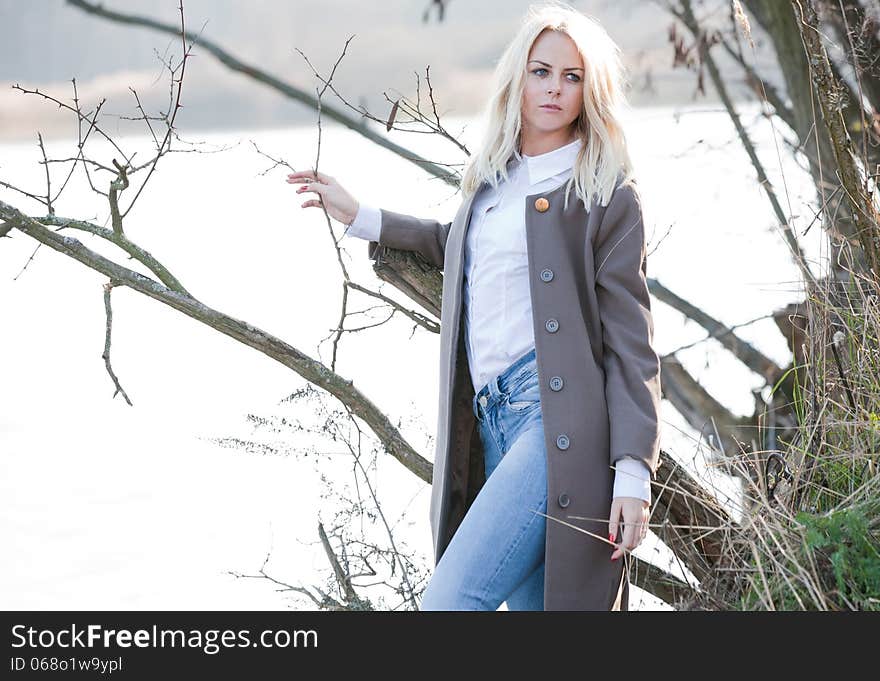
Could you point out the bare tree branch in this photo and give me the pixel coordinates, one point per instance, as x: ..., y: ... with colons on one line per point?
x: 108, y: 310
x: 311, y: 370
x: 686, y: 15
x: 134, y: 251
x: 744, y: 351
x: 275, y: 83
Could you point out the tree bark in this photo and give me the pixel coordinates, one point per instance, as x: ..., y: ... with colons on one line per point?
x: 781, y: 25
x: 828, y: 89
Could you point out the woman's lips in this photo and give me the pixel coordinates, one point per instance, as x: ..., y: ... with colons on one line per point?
x: 550, y: 107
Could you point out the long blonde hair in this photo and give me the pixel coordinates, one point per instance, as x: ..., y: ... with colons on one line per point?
x: 603, y: 159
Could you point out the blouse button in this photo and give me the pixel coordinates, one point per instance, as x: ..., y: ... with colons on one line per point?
x: 542, y: 204
x: 546, y: 275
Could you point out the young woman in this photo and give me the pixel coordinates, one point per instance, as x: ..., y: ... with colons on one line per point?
x: 549, y: 386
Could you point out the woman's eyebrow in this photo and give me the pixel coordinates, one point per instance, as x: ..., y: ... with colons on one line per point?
x: 570, y: 68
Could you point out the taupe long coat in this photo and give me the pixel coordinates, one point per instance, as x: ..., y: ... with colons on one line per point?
x: 593, y: 330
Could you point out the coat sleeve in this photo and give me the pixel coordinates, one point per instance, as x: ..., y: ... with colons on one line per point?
x: 408, y: 233
x: 632, y: 368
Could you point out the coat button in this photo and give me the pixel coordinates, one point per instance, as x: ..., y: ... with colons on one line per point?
x: 484, y: 400
x: 562, y: 441
x: 564, y: 500
x: 552, y: 325
x: 546, y: 275
x: 542, y: 204
x: 556, y: 383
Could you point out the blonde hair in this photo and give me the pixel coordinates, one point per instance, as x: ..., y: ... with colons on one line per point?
x: 603, y: 159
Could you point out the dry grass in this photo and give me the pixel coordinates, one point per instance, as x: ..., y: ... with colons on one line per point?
x: 809, y: 536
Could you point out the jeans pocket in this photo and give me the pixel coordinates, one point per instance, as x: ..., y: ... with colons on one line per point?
x: 525, y: 393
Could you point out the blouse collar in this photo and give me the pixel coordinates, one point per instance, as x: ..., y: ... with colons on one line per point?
x: 546, y: 165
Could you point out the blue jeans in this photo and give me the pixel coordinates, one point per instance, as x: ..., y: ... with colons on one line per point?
x: 497, y: 552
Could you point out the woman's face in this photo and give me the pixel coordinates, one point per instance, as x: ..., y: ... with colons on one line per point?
x: 555, y: 77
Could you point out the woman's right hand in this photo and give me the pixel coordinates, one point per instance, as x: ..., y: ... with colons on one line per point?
x: 340, y: 205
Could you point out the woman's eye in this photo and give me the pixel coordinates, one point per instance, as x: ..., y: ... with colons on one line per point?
x: 541, y: 71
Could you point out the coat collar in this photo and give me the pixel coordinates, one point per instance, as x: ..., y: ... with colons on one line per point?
x: 540, y: 167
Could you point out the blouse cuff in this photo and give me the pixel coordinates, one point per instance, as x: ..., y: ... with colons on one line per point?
x: 367, y: 224
x: 632, y: 479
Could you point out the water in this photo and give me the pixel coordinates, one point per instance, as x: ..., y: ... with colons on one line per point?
x: 105, y: 506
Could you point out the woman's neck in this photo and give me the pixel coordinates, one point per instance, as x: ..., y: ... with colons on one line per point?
x: 535, y: 146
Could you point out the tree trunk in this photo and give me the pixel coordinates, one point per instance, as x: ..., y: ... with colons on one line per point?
x: 781, y: 25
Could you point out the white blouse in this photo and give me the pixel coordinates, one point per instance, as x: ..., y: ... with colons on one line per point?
x: 497, y: 299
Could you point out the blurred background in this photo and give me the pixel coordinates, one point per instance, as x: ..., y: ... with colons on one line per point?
x: 49, y: 42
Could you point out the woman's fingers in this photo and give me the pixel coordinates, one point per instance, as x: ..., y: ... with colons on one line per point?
x: 300, y: 177
x: 310, y: 185
x: 632, y: 528
x: 338, y: 203
x: 628, y: 540
x: 316, y: 187
x: 307, y: 176
x: 631, y: 536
